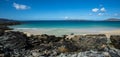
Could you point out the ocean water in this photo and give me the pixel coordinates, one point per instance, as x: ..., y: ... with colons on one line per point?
x: 67, y: 27
x: 68, y: 24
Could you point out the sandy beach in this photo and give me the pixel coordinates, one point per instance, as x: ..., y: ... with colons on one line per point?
x: 60, y: 32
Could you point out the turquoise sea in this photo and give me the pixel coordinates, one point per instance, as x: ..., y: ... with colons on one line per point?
x: 67, y: 27
x: 68, y: 24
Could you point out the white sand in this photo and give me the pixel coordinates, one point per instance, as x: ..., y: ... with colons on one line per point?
x: 111, y: 32
x: 62, y: 31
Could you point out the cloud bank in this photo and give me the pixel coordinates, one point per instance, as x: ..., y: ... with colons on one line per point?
x: 99, y: 11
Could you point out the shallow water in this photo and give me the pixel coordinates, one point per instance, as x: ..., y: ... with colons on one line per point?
x: 67, y: 27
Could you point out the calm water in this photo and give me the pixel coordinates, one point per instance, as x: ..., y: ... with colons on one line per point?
x: 69, y: 24
x: 67, y: 27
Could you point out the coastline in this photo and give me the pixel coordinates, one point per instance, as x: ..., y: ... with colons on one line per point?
x: 60, y: 42
x: 67, y: 31
x: 64, y: 46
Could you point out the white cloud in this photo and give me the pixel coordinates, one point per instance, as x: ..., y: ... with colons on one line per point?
x: 20, y: 6
x: 103, y: 9
x: 95, y: 10
x: 100, y: 14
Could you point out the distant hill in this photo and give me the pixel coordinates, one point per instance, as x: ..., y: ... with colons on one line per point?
x: 6, y: 22
x: 112, y: 19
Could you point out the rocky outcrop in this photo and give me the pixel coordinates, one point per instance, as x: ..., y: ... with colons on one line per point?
x: 115, y: 39
x: 13, y: 40
x: 4, y: 23
x: 10, y: 41
x: 1, y: 32
x: 3, y: 29
x: 86, y: 54
x: 91, y: 53
x: 17, y: 44
x: 97, y: 44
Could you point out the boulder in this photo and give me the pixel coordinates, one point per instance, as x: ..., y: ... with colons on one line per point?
x: 17, y: 44
x: 3, y: 29
x: 13, y: 40
x: 115, y: 39
x: 1, y: 32
x: 85, y: 54
x: 92, y: 42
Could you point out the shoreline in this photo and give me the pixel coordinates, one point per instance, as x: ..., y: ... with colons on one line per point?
x: 46, y: 42
x: 66, y: 31
x: 50, y: 45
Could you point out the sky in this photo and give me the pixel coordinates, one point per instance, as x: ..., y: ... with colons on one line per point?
x: 59, y: 9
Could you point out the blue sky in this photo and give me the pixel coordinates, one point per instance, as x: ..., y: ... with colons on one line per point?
x: 59, y: 9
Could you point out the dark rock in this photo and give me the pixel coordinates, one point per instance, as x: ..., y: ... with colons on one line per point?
x: 92, y: 43
x: 115, y: 39
x: 1, y: 32
x: 17, y: 44
x: 5, y: 28
x: 113, y: 52
x: 13, y: 40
